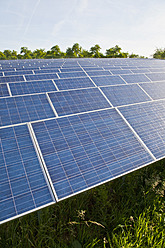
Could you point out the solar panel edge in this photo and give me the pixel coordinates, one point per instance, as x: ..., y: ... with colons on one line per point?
x: 39, y: 153
x: 18, y: 215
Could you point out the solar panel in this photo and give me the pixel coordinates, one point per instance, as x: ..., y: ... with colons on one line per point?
x: 136, y: 78
x: 99, y: 73
x: 77, y: 101
x: 155, y: 90
x: 21, y: 109
x: 73, y: 83
x: 156, y: 76
x: 125, y: 94
x: 31, y: 87
x: 68, y: 127
x: 11, y: 79
x: 107, y: 80
x: 3, y: 90
x: 23, y: 185
x: 41, y: 76
x: 148, y: 121
x: 72, y: 74
x: 85, y: 150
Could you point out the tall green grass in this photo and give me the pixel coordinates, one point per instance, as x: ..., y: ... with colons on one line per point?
x: 127, y: 212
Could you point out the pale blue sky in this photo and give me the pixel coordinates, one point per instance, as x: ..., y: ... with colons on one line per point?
x: 135, y: 25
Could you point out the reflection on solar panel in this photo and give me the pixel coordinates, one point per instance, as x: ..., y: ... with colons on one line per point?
x: 125, y: 94
x: 22, y: 182
x: 41, y: 76
x: 107, y: 80
x: 32, y: 87
x: 73, y: 83
x: 148, y: 121
x: 99, y: 73
x: 77, y: 101
x: 136, y: 78
x: 67, y: 126
x: 155, y: 90
x: 85, y: 150
x: 21, y: 109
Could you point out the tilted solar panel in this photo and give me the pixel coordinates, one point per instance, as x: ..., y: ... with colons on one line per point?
x: 23, y: 185
x: 86, y: 150
x: 81, y: 130
x: 77, y: 101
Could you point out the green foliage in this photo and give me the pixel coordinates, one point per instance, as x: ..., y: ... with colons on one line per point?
x: 159, y: 53
x: 127, y: 212
x: 76, y: 51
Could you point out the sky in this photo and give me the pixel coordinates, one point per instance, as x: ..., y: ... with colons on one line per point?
x: 137, y: 26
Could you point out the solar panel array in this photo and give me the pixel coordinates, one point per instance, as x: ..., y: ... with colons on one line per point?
x: 67, y: 125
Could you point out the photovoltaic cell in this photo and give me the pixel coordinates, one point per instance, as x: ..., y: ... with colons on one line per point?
x: 119, y: 72
x: 72, y: 74
x: 76, y: 101
x: 155, y: 90
x: 156, y: 76
x: 148, y: 121
x: 11, y: 79
x: 136, y: 78
x: 3, y: 90
x: 21, y: 109
x: 73, y: 83
x: 107, y: 80
x: 32, y: 87
x: 13, y: 73
x: 22, y: 183
x: 46, y: 71
x: 85, y: 150
x: 125, y: 94
x: 99, y: 73
x: 41, y: 76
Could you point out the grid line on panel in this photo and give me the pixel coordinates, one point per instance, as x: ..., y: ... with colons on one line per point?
x: 147, y: 119
x: 87, y: 75
x: 84, y: 150
x: 75, y: 101
x: 23, y: 185
x: 145, y: 92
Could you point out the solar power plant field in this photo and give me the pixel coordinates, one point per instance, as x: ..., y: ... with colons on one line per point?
x: 67, y: 125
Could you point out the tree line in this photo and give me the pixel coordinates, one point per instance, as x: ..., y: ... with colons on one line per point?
x: 76, y: 51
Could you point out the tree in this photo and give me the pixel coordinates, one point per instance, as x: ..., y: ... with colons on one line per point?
x: 39, y: 54
x: 27, y: 54
x: 159, y: 53
x: 69, y: 52
x: 2, y: 56
x: 55, y: 51
x: 95, y: 51
x: 113, y: 52
x: 76, y: 49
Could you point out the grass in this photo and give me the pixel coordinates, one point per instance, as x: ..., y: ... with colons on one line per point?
x: 127, y: 212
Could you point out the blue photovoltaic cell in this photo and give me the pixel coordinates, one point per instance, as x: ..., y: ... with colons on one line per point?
x: 87, y: 69
x: 99, y: 73
x: 3, y: 90
x: 85, y: 150
x: 71, y: 69
x: 155, y: 90
x: 76, y: 101
x: 125, y: 94
x: 11, y: 79
x: 41, y: 76
x: 72, y: 74
x: 148, y: 121
x: 120, y: 71
x: 13, y: 73
x: 156, y: 76
x: 22, y: 183
x: 46, y: 71
x: 73, y: 83
x: 24, y: 108
x: 136, y: 78
x: 145, y: 70
x: 107, y: 80
x: 32, y: 87
x: 1, y: 74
